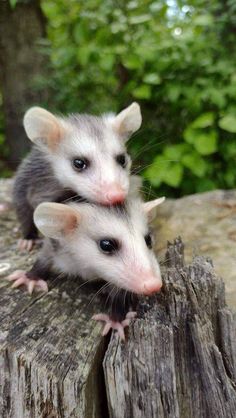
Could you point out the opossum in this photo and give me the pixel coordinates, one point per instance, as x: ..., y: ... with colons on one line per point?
x: 80, y: 156
x: 97, y: 242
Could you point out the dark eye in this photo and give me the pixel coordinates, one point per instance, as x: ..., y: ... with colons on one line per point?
x: 121, y: 160
x: 80, y: 164
x: 108, y: 246
x: 148, y: 240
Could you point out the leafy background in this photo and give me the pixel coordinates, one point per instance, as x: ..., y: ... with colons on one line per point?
x: 176, y: 58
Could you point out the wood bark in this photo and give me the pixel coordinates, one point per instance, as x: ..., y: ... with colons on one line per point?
x: 178, y: 360
x: 22, y: 29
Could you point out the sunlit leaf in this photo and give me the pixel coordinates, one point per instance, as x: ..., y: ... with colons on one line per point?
x: 190, y: 134
x: 204, y: 20
x: 13, y: 3
x: 137, y: 20
x: 132, y: 62
x: 174, y: 174
x: 152, y: 78
x: 204, y: 120
x: 156, y: 172
x: 142, y: 92
x: 228, y: 123
x: 174, y: 92
x: 206, y: 143
x: 175, y: 152
x: 195, y: 164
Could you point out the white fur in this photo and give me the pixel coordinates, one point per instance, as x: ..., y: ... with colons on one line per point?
x: 62, y: 141
x: 103, y: 170
x: 129, y: 268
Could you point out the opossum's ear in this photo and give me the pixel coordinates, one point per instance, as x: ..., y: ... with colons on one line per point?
x: 56, y: 220
x: 128, y: 121
x: 149, y: 207
x: 42, y: 127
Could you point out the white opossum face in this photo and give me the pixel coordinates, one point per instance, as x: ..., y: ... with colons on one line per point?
x: 87, y: 153
x: 110, y: 243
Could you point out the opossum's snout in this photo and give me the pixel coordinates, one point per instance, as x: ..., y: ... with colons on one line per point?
x: 112, y: 194
x: 148, y: 284
x: 152, y: 285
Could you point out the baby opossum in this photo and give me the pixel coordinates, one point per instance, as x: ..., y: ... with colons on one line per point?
x: 94, y: 241
x: 76, y: 156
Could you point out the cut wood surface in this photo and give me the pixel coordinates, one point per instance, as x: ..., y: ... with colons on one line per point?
x: 178, y: 360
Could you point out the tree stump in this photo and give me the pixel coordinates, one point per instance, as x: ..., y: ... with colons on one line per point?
x: 178, y: 360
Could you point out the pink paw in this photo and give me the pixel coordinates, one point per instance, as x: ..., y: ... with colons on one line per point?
x: 27, y: 244
x: 19, y: 278
x: 118, y: 326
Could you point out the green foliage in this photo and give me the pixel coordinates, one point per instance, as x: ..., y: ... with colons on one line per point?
x: 13, y: 3
x: 176, y: 58
x: 228, y: 123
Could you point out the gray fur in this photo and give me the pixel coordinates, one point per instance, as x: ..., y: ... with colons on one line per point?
x: 94, y: 126
x: 34, y: 183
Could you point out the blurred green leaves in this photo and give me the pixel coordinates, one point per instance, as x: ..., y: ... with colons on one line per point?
x: 13, y: 3
x: 203, y: 121
x: 164, y: 171
x: 228, y: 123
x: 142, y: 92
x: 177, y: 60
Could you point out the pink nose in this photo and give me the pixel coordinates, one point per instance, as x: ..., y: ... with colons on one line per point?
x: 113, y: 194
x: 152, y: 285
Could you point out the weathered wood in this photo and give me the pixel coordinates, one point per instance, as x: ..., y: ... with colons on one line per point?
x: 179, y: 358
x: 207, y: 224
x: 50, y: 355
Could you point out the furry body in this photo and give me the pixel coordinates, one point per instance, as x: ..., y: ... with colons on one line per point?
x: 35, y: 183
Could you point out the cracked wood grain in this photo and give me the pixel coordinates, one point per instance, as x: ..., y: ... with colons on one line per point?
x: 179, y: 359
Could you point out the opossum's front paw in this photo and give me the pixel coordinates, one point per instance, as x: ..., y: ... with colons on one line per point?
x: 19, y: 277
x: 116, y: 325
x: 27, y: 244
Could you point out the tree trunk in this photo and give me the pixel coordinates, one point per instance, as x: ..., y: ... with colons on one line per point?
x: 21, y: 30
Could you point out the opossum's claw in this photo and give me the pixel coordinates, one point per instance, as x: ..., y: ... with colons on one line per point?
x: 28, y: 244
x: 116, y: 325
x: 19, y: 277
x: 25, y: 244
x: 38, y: 285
